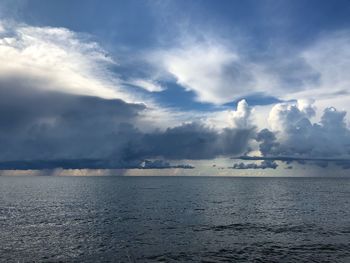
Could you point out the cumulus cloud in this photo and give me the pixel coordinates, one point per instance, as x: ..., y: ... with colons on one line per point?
x: 294, y: 134
x: 284, y: 116
x: 267, y: 142
x: 241, y: 118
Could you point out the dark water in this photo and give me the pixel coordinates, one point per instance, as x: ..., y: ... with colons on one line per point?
x: 174, y: 219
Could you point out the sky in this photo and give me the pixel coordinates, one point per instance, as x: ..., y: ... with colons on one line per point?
x: 175, y: 87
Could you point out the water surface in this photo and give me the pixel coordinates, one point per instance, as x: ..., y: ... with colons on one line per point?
x: 171, y: 219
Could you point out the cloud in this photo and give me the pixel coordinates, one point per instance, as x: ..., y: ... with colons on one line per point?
x: 38, y: 124
x: 219, y: 73
x: 329, y: 56
x: 196, y: 141
x: 267, y: 142
x: 344, y: 163
x: 284, y: 116
x: 266, y: 164
x: 161, y: 164
x: 290, y: 159
x: 57, y: 59
x: 293, y: 133
x: 215, y: 73
x: 148, y: 85
x: 220, y: 70
x: 241, y: 117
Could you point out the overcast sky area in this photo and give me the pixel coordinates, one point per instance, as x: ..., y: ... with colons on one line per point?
x: 175, y: 87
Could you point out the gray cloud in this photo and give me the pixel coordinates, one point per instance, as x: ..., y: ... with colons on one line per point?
x: 42, y: 129
x: 161, y: 164
x: 265, y: 164
x: 196, y: 141
x: 267, y: 140
x: 50, y: 125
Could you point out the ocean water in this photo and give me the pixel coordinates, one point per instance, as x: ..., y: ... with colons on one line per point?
x: 174, y: 219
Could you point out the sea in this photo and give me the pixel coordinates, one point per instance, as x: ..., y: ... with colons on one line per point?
x: 174, y: 219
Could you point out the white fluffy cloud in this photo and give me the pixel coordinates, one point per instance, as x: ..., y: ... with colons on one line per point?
x: 284, y: 116
x: 296, y: 135
x: 241, y: 118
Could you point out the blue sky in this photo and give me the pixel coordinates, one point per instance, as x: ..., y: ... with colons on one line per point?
x: 180, y: 67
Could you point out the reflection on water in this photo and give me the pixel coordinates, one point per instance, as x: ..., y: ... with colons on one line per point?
x: 145, y: 219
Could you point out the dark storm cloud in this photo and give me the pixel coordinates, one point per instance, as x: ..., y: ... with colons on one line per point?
x: 192, y: 141
x: 267, y: 140
x: 47, y: 125
x: 196, y: 141
x: 45, y: 129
